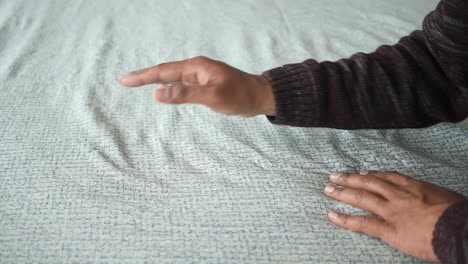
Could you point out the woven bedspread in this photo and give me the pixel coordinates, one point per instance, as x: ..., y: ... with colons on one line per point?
x: 94, y: 172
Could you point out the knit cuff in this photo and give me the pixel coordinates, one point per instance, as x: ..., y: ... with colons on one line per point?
x: 294, y: 97
x: 450, y: 234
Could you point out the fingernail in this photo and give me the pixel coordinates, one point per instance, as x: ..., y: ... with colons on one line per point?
x: 363, y: 172
x: 329, y: 189
x: 126, y: 75
x: 123, y: 77
x: 335, y: 176
x: 333, y: 216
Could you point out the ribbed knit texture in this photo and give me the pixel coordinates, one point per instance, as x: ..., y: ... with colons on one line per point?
x: 450, y: 240
x: 418, y: 82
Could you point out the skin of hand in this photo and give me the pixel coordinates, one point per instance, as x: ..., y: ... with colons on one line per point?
x: 405, y: 210
x: 201, y: 80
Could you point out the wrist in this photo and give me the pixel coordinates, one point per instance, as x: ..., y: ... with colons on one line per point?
x: 266, y: 100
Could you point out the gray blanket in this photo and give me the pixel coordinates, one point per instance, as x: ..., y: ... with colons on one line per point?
x: 94, y: 172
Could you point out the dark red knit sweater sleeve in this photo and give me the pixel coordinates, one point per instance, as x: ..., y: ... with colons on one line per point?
x: 450, y: 238
x: 420, y: 81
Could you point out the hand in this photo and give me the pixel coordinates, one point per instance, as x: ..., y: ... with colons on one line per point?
x: 208, y: 82
x: 406, y: 209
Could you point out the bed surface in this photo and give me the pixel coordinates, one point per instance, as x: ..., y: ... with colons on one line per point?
x: 94, y: 172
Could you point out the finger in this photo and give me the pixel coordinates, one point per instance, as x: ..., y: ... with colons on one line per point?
x: 390, y: 176
x: 415, y: 186
x: 162, y: 73
x: 358, y: 198
x: 175, y: 93
x: 365, y: 224
x: 365, y: 182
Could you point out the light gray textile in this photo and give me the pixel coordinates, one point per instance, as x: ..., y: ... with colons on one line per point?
x: 93, y: 172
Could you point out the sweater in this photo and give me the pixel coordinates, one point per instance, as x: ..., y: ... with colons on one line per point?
x: 418, y: 82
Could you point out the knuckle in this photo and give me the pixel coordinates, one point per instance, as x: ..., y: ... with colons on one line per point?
x: 394, y: 174
x: 363, y: 223
x: 364, y: 172
x: 392, y: 215
x: 384, y: 177
x: 408, y: 182
x: 161, y: 65
x: 344, y: 177
x: 337, y: 192
x: 367, y: 180
x: 345, y: 220
x: 200, y: 59
x: 359, y: 196
x: 416, y: 188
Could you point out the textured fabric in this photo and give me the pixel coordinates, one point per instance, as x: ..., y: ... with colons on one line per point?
x: 418, y: 82
x: 421, y: 81
x: 93, y: 172
x: 450, y: 239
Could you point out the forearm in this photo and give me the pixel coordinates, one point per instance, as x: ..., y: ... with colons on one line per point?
x: 416, y: 83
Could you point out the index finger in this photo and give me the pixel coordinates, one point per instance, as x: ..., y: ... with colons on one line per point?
x: 390, y: 176
x: 162, y: 73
